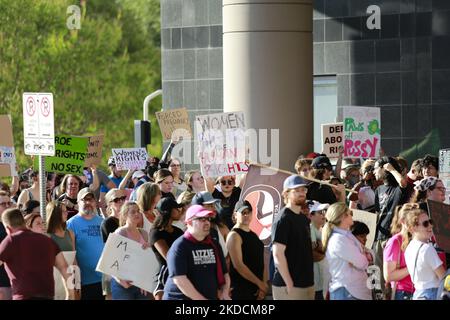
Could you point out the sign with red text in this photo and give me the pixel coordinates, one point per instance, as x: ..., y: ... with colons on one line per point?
x: 332, y: 139
x: 221, y: 139
x: 362, y: 132
x: 130, y: 158
x: 38, y: 124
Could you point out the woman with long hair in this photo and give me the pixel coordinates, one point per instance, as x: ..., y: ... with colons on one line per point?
x: 130, y: 217
x: 394, y: 264
x: 148, y: 196
x: 423, y: 263
x: 164, y: 179
x: 179, y: 184
x: 429, y: 188
x: 195, y: 183
x: 162, y: 235
x: 346, y: 256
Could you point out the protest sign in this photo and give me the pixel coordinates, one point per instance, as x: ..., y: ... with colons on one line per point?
x: 440, y: 213
x: 130, y: 158
x: 94, y: 151
x: 362, y: 132
x: 74, y: 280
x: 221, y: 138
x: 7, y: 153
x: 370, y: 219
x: 264, y: 192
x: 70, y: 155
x: 332, y: 139
x: 125, y: 259
x: 174, y: 121
x: 444, y: 171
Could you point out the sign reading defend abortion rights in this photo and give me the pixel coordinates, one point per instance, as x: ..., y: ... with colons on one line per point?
x: 130, y: 158
x: 362, y: 132
x: 332, y: 139
x: 221, y: 138
x: 174, y: 120
x: 125, y: 259
x: 70, y: 154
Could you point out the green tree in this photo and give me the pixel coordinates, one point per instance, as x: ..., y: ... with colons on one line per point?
x: 99, y: 75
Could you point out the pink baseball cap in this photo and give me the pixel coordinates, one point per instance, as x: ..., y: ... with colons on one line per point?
x: 197, y: 211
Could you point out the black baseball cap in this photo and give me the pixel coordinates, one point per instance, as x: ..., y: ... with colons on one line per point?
x: 165, y: 205
x: 321, y: 162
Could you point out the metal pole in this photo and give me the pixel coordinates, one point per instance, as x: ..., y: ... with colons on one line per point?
x: 42, y: 187
x: 147, y: 101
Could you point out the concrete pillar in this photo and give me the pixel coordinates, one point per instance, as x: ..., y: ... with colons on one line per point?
x: 268, y: 69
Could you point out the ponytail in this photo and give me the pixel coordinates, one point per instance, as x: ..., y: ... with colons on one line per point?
x: 334, y: 216
x: 327, y: 230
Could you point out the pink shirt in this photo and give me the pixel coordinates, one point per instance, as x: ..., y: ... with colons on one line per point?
x: 390, y: 253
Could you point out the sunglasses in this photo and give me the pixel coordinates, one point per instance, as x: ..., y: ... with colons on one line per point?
x: 225, y: 182
x: 204, y: 219
x: 121, y: 199
x: 427, y: 223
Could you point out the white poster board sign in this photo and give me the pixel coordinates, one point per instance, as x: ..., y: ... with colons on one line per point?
x: 370, y: 219
x: 221, y: 139
x: 125, y: 259
x: 362, y: 132
x: 332, y: 139
x: 444, y: 171
x: 130, y: 158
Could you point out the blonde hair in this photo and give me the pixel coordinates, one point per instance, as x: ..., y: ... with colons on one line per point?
x: 335, y: 213
x: 146, y: 195
x: 124, y: 211
x: 411, y: 220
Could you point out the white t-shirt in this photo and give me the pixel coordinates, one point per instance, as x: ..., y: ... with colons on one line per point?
x: 428, y: 260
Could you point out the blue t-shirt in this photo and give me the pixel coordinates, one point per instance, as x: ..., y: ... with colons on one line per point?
x: 89, y: 246
x: 198, y: 263
x: 116, y: 181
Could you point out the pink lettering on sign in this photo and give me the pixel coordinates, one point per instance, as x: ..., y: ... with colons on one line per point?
x: 358, y: 148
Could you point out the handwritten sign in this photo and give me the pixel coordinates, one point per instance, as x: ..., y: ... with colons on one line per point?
x: 125, y: 259
x: 130, y: 158
x: 7, y: 153
x: 174, y: 121
x: 221, y: 139
x: 370, y: 219
x: 332, y: 139
x: 94, y: 151
x: 444, y: 171
x: 362, y: 132
x: 440, y: 213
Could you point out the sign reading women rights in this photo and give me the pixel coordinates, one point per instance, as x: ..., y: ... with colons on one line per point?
x: 221, y: 138
x: 362, y: 132
x: 130, y: 158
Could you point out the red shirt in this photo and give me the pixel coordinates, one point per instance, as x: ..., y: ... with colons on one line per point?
x: 29, y: 258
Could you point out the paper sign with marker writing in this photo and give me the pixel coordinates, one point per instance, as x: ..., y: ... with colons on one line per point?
x: 174, y: 122
x: 7, y: 153
x: 130, y: 158
x: 125, y: 259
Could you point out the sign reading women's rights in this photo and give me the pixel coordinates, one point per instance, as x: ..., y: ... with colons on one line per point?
x: 362, y: 132
x: 125, y: 259
x: 175, y: 120
x: 332, y: 139
x: 70, y: 154
x: 221, y: 138
x: 130, y: 158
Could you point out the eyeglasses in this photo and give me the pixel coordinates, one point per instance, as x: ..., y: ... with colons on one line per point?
x: 175, y: 165
x: 225, y: 182
x: 6, y: 204
x: 427, y: 223
x: 121, y: 199
x: 204, y: 219
x: 245, y: 212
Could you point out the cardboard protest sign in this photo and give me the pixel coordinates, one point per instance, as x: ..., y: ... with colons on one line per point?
x: 440, y: 213
x: 370, y: 219
x: 7, y: 153
x: 125, y: 259
x: 221, y: 138
x: 130, y: 158
x: 94, y: 151
x: 174, y: 121
x: 70, y: 155
x: 362, y: 132
x: 332, y: 139
x: 444, y: 171
x: 264, y: 192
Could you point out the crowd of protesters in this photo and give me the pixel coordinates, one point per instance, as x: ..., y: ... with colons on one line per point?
x: 199, y: 231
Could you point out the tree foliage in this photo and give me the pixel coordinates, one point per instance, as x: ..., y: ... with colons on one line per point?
x: 99, y: 75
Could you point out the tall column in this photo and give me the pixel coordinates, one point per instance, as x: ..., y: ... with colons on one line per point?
x: 268, y: 69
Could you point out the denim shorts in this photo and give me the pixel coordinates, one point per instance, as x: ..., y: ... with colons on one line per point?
x: 120, y: 293
x: 341, y: 294
x: 403, y: 295
x: 425, y: 294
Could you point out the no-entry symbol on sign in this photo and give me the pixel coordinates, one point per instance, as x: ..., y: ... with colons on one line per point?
x: 30, y: 106
x: 45, y: 107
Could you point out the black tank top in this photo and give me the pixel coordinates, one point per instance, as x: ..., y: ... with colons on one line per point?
x: 253, y: 258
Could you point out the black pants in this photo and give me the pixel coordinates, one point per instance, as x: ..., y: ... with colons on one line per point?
x: 92, y: 292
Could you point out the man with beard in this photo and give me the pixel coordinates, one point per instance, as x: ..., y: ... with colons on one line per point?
x: 88, y: 244
x: 292, y: 249
x: 387, y: 197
